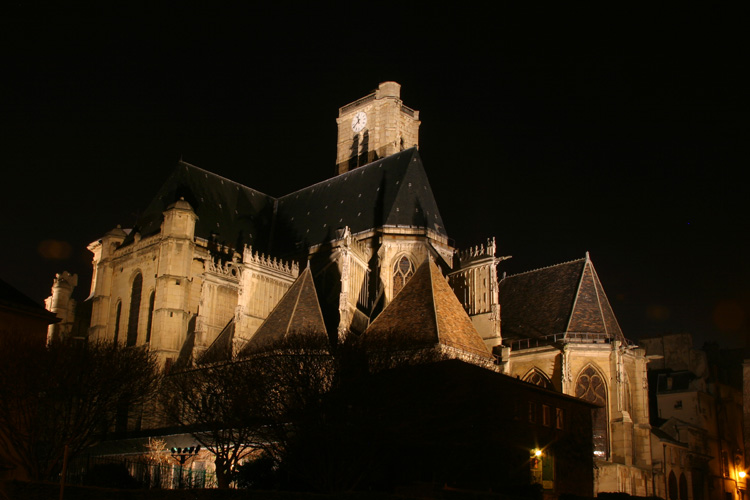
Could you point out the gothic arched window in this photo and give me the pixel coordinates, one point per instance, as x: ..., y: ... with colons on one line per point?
x: 135, y: 309
x: 537, y: 377
x: 673, y: 486
x: 591, y: 387
x: 403, y: 269
x: 118, y: 313
x: 683, y: 487
x: 150, y: 316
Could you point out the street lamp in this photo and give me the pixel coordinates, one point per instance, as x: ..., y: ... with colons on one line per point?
x: 182, y: 454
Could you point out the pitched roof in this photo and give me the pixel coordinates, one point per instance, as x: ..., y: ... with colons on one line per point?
x: 13, y: 299
x: 393, y: 191
x: 427, y: 312
x: 298, y: 311
x: 232, y: 214
x: 565, y: 298
x: 221, y: 348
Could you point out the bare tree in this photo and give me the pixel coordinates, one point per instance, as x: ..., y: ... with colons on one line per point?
x: 252, y: 403
x: 65, y: 395
x: 214, y: 404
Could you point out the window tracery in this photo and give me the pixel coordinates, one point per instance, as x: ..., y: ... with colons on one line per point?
x: 591, y: 387
x: 537, y: 377
x: 403, y: 269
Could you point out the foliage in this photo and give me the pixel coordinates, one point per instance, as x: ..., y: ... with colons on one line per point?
x: 66, y: 395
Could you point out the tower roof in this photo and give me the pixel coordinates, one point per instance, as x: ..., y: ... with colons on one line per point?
x: 298, y: 311
x: 427, y: 312
x: 393, y: 191
x: 566, y: 298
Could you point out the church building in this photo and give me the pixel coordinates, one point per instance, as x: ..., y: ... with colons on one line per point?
x: 199, y: 275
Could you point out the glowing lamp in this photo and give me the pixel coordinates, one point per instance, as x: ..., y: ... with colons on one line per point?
x: 537, y: 452
x: 742, y: 474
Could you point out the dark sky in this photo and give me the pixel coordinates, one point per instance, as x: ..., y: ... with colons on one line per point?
x: 613, y: 132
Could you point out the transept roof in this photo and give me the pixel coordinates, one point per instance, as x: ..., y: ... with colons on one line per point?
x: 228, y: 212
x: 393, y: 191
x: 566, y: 298
x: 426, y: 312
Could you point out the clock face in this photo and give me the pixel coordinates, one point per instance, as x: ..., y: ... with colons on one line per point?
x: 359, y: 121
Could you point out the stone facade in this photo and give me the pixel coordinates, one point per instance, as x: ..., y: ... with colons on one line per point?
x: 375, y: 126
x: 210, y: 259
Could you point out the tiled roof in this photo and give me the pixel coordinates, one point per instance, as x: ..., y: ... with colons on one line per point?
x: 221, y: 348
x: 298, y: 311
x: 228, y: 212
x: 565, y: 298
x: 427, y: 312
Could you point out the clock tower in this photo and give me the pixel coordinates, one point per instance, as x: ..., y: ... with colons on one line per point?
x: 375, y: 126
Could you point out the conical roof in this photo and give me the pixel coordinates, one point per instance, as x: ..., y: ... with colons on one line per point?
x: 566, y: 298
x: 427, y: 312
x: 298, y: 311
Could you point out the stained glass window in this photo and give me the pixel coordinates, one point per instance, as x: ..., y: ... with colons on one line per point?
x: 591, y: 387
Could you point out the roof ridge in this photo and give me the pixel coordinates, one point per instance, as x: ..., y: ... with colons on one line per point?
x: 345, y: 174
x: 578, y: 294
x: 546, y: 267
x: 595, y: 277
x: 427, y: 262
x: 224, y: 178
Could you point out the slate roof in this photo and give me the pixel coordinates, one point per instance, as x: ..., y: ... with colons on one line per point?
x: 228, y: 212
x: 12, y: 299
x: 565, y: 298
x: 427, y: 312
x: 298, y: 311
x: 393, y: 191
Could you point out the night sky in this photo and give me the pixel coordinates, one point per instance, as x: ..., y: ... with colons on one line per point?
x: 612, y: 132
